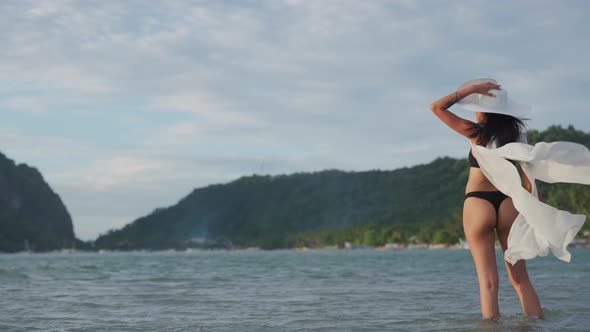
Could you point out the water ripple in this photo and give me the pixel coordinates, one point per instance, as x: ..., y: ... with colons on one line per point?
x: 278, y: 290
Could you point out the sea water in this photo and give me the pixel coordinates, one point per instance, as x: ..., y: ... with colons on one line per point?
x: 279, y: 290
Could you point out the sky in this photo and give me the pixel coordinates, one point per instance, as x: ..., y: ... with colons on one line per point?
x: 127, y: 106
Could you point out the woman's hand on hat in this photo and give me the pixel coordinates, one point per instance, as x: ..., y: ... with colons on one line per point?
x: 484, y: 88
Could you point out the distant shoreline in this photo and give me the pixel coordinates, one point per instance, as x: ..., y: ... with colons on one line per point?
x: 402, y: 247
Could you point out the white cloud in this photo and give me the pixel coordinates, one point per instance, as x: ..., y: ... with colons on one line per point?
x: 293, y: 2
x: 74, y: 79
x: 119, y: 171
x: 23, y: 104
x: 40, y: 9
x: 211, y: 110
x: 182, y: 94
x: 24, y: 146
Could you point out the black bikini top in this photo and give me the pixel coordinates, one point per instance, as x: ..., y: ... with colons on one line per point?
x: 472, y: 160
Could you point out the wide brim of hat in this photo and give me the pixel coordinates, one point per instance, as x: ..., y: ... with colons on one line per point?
x: 512, y: 108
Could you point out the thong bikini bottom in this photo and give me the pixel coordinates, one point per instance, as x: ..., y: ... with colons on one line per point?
x: 494, y: 197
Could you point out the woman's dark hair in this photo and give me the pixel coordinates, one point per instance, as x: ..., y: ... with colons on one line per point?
x: 502, y: 128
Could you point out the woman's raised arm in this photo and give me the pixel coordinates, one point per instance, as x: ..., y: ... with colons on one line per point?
x: 458, y: 124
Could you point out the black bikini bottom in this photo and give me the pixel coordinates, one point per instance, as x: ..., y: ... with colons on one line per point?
x: 494, y: 197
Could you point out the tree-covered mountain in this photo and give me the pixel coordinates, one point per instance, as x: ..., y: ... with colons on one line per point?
x: 32, y: 216
x: 271, y: 211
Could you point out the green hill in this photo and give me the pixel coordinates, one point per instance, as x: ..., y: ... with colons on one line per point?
x: 278, y: 211
x: 32, y: 216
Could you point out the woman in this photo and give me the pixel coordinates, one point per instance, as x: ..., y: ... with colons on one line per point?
x: 486, y: 209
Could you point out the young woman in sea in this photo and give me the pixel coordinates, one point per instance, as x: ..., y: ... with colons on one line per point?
x: 486, y: 209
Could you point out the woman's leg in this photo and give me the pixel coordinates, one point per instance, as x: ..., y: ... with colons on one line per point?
x: 479, y: 220
x: 517, y: 273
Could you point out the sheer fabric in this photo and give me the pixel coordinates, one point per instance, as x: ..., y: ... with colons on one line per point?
x: 539, y: 227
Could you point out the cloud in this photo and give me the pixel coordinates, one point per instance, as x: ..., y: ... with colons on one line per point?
x: 210, y: 109
x: 293, y: 2
x: 140, y: 102
x: 19, y: 144
x: 23, y: 104
x: 75, y: 79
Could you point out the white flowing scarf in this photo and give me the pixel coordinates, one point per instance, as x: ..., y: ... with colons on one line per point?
x: 539, y: 226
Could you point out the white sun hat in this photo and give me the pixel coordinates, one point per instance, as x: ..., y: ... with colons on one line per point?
x: 501, y: 104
